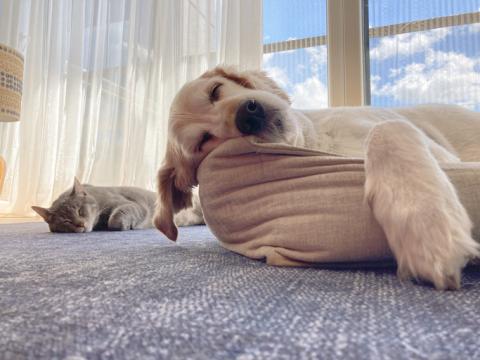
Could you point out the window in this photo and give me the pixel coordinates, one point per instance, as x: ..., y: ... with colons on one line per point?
x: 412, y: 51
x: 424, y: 52
x: 295, y: 49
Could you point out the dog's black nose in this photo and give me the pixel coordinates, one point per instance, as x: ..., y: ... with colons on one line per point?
x: 250, y: 119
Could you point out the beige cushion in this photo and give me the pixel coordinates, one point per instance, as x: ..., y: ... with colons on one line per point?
x: 294, y: 206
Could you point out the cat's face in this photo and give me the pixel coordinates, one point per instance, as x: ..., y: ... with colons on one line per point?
x: 74, y: 211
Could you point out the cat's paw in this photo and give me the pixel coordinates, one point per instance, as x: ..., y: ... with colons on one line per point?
x: 189, y: 217
x: 119, y: 222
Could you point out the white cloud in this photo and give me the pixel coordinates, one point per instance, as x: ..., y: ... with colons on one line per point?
x: 278, y: 75
x: 267, y: 58
x: 318, y: 53
x: 474, y: 28
x: 310, y: 94
x: 444, y: 77
x: 300, y: 67
x: 374, y: 84
x: 407, y: 44
x: 318, y: 58
x: 394, y: 72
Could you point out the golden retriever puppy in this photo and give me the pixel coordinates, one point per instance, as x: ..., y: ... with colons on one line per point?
x: 427, y: 227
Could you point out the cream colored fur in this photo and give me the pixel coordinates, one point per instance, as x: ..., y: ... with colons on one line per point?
x: 427, y: 227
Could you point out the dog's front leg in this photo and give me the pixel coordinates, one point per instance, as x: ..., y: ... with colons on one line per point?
x: 428, y: 229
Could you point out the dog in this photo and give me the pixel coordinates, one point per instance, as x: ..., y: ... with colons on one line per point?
x: 427, y: 228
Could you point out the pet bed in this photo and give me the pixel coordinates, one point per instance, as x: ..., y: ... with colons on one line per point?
x: 293, y: 206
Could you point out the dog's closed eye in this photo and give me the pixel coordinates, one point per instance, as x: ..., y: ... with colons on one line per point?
x: 214, y: 94
x: 205, y: 138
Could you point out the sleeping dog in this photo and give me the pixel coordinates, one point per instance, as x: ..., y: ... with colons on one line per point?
x: 428, y: 229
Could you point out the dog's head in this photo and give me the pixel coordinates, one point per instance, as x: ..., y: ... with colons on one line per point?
x: 221, y: 104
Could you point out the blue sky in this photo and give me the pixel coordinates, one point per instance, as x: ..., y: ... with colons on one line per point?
x: 440, y: 65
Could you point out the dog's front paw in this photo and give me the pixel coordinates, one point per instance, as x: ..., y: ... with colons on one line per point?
x: 427, y: 227
x: 429, y: 234
x: 434, y: 244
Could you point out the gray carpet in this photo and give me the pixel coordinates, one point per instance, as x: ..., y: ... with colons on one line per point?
x: 136, y: 295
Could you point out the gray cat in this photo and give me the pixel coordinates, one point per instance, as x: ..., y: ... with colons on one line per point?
x: 85, y: 208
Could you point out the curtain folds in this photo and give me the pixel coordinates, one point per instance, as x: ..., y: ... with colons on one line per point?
x: 99, y: 79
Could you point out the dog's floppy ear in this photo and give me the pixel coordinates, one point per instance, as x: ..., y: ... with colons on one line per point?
x: 175, y: 180
x: 251, y: 79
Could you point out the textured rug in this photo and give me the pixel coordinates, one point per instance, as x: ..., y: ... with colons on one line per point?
x: 134, y: 294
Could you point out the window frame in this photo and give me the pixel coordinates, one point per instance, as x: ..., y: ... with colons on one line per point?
x: 347, y: 41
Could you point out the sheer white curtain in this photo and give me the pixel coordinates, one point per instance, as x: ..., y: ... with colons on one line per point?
x: 99, y: 79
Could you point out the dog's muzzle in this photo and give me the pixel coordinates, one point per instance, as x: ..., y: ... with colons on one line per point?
x: 250, y: 118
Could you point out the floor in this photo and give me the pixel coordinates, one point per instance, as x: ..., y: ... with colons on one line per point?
x: 135, y: 294
x: 19, y: 220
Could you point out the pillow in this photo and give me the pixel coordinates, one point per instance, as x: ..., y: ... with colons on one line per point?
x: 294, y: 206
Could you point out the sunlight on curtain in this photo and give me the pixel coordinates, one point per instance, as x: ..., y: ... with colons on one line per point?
x: 99, y: 79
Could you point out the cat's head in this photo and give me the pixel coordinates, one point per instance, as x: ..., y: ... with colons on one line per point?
x: 73, y: 211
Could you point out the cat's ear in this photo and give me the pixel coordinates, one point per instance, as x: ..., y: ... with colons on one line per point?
x: 77, y: 188
x: 44, y: 213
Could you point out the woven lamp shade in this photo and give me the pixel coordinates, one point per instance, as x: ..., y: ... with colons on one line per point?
x: 11, y: 81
